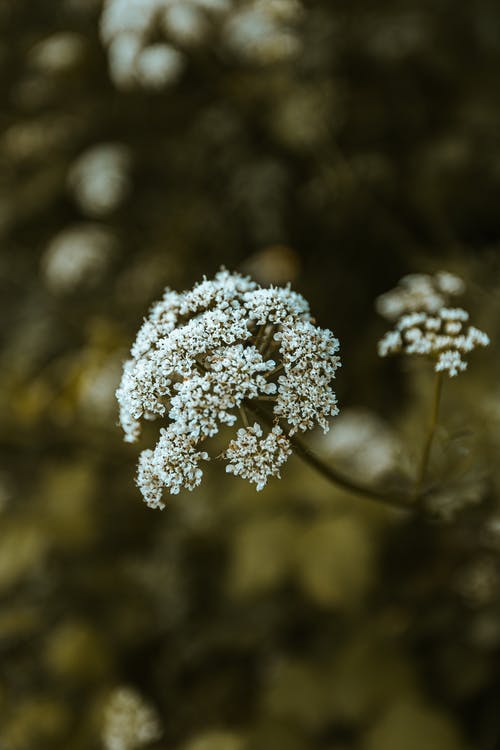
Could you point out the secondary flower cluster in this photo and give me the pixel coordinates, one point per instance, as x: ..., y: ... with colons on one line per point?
x: 426, y: 325
x: 253, y: 456
x: 147, y: 40
x: 419, y: 292
x: 208, y: 356
x: 128, y: 721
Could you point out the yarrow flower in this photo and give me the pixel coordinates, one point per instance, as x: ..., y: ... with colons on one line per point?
x: 426, y: 325
x: 210, y: 356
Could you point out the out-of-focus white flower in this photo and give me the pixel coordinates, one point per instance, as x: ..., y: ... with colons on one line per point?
x: 58, y: 52
x: 99, y: 179
x: 123, y: 51
x: 426, y: 326
x: 459, y: 490
x: 207, y: 357
x: 263, y: 32
x: 143, y: 36
x: 479, y: 581
x: 158, y: 65
x: 185, y: 22
x: 419, y: 292
x: 77, y: 256
x: 362, y: 443
x: 129, y: 722
x: 128, y: 29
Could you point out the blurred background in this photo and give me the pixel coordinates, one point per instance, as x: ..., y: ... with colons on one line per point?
x: 337, y: 145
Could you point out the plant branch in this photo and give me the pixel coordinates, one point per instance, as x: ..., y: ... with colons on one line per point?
x: 394, y: 500
x: 243, y: 415
x: 436, y: 400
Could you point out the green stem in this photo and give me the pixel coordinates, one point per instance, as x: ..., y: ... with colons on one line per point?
x: 424, y: 462
x: 394, y: 500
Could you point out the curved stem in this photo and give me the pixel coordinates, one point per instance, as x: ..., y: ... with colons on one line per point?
x: 394, y: 500
x: 436, y: 400
x: 334, y: 476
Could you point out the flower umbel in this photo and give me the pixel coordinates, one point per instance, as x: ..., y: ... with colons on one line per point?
x: 255, y: 458
x: 129, y: 722
x: 419, y: 292
x: 148, y: 41
x: 427, y: 326
x: 204, y: 358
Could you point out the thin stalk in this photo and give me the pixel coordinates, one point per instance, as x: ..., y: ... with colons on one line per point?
x: 270, y: 349
x: 267, y: 343
x: 276, y: 370
x: 394, y: 500
x: 260, y: 335
x: 243, y: 415
x: 424, y: 461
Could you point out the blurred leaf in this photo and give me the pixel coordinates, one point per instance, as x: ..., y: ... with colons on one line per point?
x: 262, y: 555
x: 335, y: 562
x: 413, y: 726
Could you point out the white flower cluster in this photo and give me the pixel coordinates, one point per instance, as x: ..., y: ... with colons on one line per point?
x: 257, y: 459
x: 78, y: 256
x: 419, y: 292
x: 363, y: 445
x: 263, y: 30
x: 147, y: 39
x: 129, y: 722
x: 205, y: 358
x: 426, y: 326
x: 99, y: 179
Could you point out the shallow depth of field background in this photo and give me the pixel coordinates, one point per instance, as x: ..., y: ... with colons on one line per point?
x: 298, y: 618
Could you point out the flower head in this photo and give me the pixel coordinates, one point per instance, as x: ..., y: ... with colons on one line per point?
x: 129, y: 722
x: 426, y: 325
x: 418, y: 292
x: 256, y: 458
x: 148, y: 40
x: 206, y: 358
